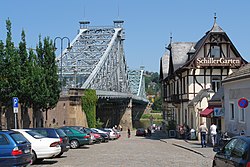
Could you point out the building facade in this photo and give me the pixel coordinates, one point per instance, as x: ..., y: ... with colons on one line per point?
x: 192, y: 72
x: 236, y: 96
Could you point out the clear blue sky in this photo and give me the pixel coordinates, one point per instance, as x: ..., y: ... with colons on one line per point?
x: 148, y: 23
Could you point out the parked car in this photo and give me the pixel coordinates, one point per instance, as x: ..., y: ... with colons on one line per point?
x: 93, y: 138
x: 15, y: 149
x: 236, y: 152
x: 107, y: 137
x: 76, y: 137
x: 104, y: 135
x: 118, y: 133
x: 140, y: 132
x: 57, y: 134
x: 42, y: 147
x: 112, y: 134
x: 97, y: 136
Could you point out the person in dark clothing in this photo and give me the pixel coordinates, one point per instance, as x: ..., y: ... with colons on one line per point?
x: 187, y: 131
x: 128, y: 133
x: 149, y: 131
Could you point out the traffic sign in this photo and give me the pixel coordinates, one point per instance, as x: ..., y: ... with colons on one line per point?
x: 243, y: 102
x: 15, y: 110
x: 15, y: 102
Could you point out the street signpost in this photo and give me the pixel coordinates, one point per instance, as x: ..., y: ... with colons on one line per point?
x: 243, y: 102
x: 15, y: 109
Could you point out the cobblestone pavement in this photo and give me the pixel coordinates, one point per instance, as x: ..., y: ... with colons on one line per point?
x: 191, y: 145
x: 154, y: 151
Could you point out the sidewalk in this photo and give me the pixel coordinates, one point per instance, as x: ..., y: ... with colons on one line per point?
x: 191, y: 145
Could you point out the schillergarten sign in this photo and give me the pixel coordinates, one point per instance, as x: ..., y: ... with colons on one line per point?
x: 211, y: 61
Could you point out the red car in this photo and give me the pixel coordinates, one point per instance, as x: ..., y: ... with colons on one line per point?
x: 140, y: 132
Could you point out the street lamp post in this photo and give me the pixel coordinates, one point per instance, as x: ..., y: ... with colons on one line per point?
x: 61, y: 43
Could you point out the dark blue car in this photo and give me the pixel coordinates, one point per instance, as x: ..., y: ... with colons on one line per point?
x: 236, y: 152
x: 15, y: 149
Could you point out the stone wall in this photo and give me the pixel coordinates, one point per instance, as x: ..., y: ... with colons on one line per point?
x: 68, y: 111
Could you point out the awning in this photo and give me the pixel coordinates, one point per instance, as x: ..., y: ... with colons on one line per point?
x: 206, y: 112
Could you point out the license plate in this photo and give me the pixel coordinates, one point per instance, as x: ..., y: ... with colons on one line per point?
x: 67, y: 146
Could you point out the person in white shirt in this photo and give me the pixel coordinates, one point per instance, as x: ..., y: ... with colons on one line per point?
x: 213, y: 133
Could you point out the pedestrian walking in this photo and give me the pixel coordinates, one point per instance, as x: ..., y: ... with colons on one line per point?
x: 182, y: 131
x: 203, y: 131
x: 128, y: 133
x: 187, y: 131
x: 213, y: 133
x: 149, y: 131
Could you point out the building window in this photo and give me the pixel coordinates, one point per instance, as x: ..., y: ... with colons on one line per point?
x: 171, y: 89
x: 216, y: 83
x: 165, y: 86
x: 184, y: 85
x: 232, y: 112
x: 177, y: 87
x: 186, y: 117
x: 215, y: 51
x: 242, y: 114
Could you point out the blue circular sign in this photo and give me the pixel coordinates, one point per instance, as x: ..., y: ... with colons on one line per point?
x: 243, y: 102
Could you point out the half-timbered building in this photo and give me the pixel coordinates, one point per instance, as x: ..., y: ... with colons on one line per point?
x: 191, y: 73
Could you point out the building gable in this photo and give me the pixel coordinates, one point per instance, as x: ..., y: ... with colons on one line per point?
x: 215, y: 49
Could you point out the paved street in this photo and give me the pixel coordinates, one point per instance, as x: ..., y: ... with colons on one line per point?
x: 156, y: 151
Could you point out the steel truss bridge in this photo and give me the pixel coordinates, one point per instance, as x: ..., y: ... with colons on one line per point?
x: 96, y: 60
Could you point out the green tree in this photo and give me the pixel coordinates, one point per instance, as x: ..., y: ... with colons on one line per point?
x: 10, y: 69
x: 46, y: 85
x: 10, y: 74
x: 30, y: 76
x: 25, y: 84
x: 2, y: 77
x: 157, y: 104
x: 51, y: 75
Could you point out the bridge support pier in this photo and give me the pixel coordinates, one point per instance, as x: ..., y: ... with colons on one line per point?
x: 126, y: 119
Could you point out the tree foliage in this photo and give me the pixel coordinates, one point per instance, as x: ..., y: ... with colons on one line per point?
x: 153, y: 88
x: 10, y: 69
x: 89, y: 101
x: 30, y: 76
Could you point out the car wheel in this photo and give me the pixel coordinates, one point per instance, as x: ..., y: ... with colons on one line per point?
x: 74, y: 144
x: 59, y: 155
x: 39, y: 160
x: 34, y: 158
x: 214, y: 165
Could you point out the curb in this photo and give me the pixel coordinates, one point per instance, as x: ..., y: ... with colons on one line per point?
x: 197, y: 152
x: 181, y: 146
x: 163, y: 141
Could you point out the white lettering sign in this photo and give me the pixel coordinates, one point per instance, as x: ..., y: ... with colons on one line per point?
x: 210, y: 61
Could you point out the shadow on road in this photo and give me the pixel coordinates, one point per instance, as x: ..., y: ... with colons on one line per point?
x: 46, y: 162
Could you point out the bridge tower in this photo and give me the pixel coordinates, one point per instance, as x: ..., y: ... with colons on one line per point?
x: 96, y: 59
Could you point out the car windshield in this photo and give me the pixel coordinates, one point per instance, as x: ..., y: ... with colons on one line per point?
x: 19, y: 138
x: 35, y: 134
x: 87, y: 130
x: 60, y: 132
